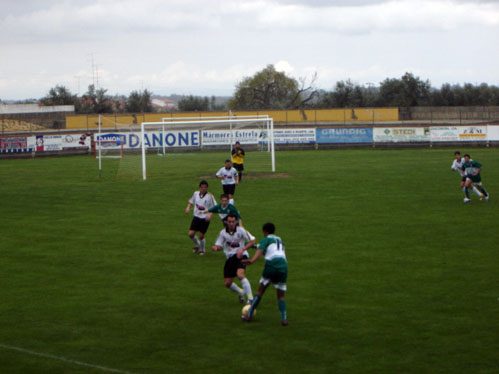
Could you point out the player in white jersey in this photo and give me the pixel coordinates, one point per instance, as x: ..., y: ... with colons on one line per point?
x: 230, y: 178
x: 202, y: 200
x: 275, y: 270
x: 457, y: 165
x: 235, y: 241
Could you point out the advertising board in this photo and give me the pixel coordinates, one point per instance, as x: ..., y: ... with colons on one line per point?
x: 17, y: 144
x: 401, y: 134
x: 345, y: 135
x: 153, y: 139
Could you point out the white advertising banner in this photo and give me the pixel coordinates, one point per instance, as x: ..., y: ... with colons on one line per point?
x: 401, y: 134
x: 76, y: 141
x: 493, y: 133
x: 458, y: 133
x: 255, y: 136
x: 47, y: 143
x: 224, y: 137
x: 444, y: 134
x: 473, y: 133
x: 293, y: 136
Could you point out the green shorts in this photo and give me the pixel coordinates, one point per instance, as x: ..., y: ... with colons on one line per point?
x: 275, y: 272
x: 475, y: 178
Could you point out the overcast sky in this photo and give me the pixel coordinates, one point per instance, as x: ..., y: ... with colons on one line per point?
x: 206, y: 47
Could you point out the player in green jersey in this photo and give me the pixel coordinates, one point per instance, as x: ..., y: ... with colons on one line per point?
x: 472, y: 171
x: 275, y: 270
x: 224, y: 209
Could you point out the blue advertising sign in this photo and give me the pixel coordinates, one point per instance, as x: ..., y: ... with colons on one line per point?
x: 345, y: 135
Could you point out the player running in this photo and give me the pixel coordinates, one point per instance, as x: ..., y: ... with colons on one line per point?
x: 202, y: 201
x: 458, y: 165
x: 224, y: 209
x: 229, y: 178
x: 472, y: 171
x: 235, y: 241
x: 275, y: 270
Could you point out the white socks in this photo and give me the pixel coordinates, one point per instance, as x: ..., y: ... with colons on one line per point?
x: 196, y: 241
x: 234, y: 288
x: 247, y: 288
x: 478, y: 193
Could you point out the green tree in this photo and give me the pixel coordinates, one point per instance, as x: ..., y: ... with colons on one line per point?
x: 96, y: 101
x: 404, y: 92
x: 139, y: 102
x: 59, y: 95
x: 194, y: 104
x: 271, y: 89
x: 346, y: 94
x: 217, y: 107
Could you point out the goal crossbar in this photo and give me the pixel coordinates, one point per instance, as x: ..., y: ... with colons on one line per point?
x: 226, y: 120
x: 165, y: 119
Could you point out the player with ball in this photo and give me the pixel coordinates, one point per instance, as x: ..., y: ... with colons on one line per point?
x: 275, y: 271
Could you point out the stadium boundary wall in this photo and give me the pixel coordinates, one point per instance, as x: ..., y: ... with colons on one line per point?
x: 364, y: 115
x: 285, y: 138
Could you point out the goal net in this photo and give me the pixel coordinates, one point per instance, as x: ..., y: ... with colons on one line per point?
x: 105, y: 148
x: 209, y: 133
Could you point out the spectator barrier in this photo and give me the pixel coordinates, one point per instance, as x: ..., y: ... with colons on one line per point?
x: 283, y: 136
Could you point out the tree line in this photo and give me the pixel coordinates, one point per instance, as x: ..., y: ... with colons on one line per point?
x: 270, y: 89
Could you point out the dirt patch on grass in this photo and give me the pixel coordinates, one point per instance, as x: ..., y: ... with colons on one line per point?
x: 256, y: 175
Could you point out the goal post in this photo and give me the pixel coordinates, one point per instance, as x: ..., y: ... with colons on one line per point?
x: 113, y: 147
x: 220, y: 123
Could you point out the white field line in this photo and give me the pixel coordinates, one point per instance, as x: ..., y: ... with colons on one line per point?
x: 64, y: 359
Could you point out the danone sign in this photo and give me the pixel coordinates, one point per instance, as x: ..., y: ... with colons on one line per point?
x: 153, y: 139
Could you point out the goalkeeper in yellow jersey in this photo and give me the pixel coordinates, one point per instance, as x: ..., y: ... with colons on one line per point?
x: 238, y: 159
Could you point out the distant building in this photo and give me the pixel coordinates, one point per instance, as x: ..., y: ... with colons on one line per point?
x: 164, y: 104
x: 35, y: 108
x: 28, y: 117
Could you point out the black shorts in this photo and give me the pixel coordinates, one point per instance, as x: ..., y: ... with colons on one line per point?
x: 238, y: 167
x: 463, y: 179
x: 199, y: 224
x: 232, y: 264
x: 229, y: 189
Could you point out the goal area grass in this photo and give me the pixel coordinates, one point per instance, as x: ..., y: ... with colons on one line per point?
x: 389, y: 272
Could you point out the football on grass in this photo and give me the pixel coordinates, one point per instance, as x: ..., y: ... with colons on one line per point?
x: 246, y: 309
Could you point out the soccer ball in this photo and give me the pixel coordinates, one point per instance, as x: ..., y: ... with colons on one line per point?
x: 246, y: 309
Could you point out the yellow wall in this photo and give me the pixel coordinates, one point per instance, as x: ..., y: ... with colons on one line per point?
x: 279, y: 116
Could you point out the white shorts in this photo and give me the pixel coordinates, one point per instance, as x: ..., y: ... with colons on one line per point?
x: 278, y: 286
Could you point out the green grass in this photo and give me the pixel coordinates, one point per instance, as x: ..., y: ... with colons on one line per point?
x: 389, y: 272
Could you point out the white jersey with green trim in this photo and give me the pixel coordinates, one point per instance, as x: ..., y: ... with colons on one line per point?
x: 202, y: 203
x: 272, y: 247
x: 231, y: 242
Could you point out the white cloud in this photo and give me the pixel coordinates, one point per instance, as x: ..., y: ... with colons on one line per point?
x: 201, y: 47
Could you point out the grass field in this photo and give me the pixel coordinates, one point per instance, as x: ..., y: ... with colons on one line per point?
x: 389, y: 272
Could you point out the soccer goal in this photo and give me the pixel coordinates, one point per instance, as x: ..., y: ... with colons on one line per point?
x: 108, y: 146
x: 167, y: 120
x: 209, y: 132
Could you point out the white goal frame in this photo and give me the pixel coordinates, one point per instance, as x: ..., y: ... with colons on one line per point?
x: 98, y: 146
x: 230, y: 120
x: 167, y: 120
